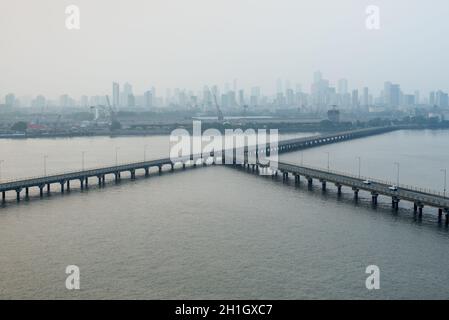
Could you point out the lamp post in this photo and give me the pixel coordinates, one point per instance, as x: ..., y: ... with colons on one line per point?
x: 397, y: 176
x: 45, y: 164
x: 82, y: 159
x: 445, y: 179
x: 360, y: 164
x: 145, y: 152
x: 1, y: 161
x: 116, y: 155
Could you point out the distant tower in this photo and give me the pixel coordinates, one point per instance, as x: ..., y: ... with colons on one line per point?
x: 115, y: 94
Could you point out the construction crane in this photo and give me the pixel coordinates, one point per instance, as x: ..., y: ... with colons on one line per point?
x: 115, y: 124
x: 219, y: 113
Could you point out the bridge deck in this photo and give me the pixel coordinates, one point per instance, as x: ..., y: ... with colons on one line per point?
x: 413, y: 194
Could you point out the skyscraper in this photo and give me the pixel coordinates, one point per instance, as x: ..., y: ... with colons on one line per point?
x: 115, y: 94
x: 148, y: 99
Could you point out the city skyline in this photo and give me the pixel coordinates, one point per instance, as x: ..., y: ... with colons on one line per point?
x: 320, y: 92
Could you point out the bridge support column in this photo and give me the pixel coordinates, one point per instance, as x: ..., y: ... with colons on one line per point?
x: 183, y: 166
x: 87, y: 183
x: 374, y: 197
x: 297, y: 178
x: 420, y: 207
x: 48, y: 188
x: 285, y: 176
x: 415, y: 207
x: 338, y: 188
x: 323, y: 185
x: 27, y: 193
x: 103, y: 178
x: 68, y: 185
x: 82, y: 184
x: 62, y: 183
x: 440, y: 215
x: 173, y: 166
x: 133, y: 174
x: 41, y: 191
x: 3, y: 197
x: 117, y: 177
x: 18, y: 194
x: 147, y: 172
x: 395, y: 203
x: 160, y: 168
x: 309, y: 182
x: 356, y: 193
x: 99, y: 181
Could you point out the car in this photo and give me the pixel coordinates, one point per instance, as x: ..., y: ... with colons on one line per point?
x: 367, y: 182
x: 393, y: 188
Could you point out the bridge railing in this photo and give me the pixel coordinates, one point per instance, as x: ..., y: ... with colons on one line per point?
x: 364, y: 178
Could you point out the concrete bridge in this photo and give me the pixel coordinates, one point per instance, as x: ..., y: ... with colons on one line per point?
x: 417, y: 196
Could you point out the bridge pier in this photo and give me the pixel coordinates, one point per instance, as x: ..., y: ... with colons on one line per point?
x: 147, y: 172
x: 160, y: 168
x: 133, y: 174
x: 27, y: 193
x: 87, y: 183
x: 415, y: 207
x: 338, y: 188
x: 356, y: 193
x: 82, y: 184
x: 323, y: 185
x: 41, y: 191
x: 68, y: 185
x: 18, y: 194
x: 420, y: 207
x: 3, y: 197
x: 395, y: 203
x: 374, y: 197
x: 62, y: 183
x: 309, y: 182
x: 183, y: 166
x: 173, y: 166
x: 99, y: 181
x: 117, y: 177
x: 48, y: 188
x: 285, y: 176
x: 440, y: 214
x: 297, y: 178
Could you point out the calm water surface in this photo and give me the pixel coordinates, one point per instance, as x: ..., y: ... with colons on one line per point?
x: 219, y: 232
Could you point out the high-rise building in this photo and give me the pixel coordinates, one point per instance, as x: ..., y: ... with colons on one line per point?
x: 342, y: 88
x: 10, y: 99
x: 355, y: 98
x: 441, y: 99
x: 365, y: 97
x: 148, y: 99
x: 115, y: 94
x: 127, y: 91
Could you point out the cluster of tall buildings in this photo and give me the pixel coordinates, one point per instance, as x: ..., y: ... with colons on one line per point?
x: 320, y: 97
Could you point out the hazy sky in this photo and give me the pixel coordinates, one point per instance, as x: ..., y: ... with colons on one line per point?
x: 189, y: 43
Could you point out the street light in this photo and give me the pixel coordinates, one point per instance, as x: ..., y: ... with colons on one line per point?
x: 145, y: 152
x: 397, y: 177
x: 360, y: 164
x: 328, y: 164
x: 1, y: 161
x: 82, y: 159
x: 45, y: 164
x: 116, y: 155
x: 445, y: 179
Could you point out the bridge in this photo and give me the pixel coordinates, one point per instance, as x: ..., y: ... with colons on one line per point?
x: 419, y: 197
